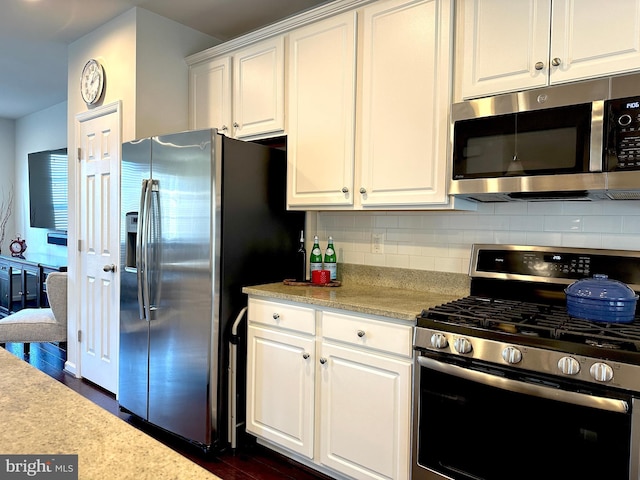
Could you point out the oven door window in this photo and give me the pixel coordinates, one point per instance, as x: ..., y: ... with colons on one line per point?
x: 541, y: 142
x: 473, y: 431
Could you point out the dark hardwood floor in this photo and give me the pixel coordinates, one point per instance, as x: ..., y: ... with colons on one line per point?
x: 249, y: 461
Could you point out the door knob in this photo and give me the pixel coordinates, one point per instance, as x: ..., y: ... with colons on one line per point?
x: 109, y: 268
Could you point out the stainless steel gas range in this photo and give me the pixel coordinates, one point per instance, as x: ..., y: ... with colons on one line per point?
x: 508, y: 385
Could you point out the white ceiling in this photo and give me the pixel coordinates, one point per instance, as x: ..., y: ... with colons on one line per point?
x: 34, y: 35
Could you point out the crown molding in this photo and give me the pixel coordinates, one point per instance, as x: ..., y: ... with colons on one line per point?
x: 279, y: 28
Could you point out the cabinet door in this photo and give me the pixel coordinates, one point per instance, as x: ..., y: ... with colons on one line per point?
x: 15, y: 289
x: 31, y: 287
x: 280, y: 388
x: 258, y: 88
x: 502, y: 42
x: 210, y: 95
x: 5, y: 288
x: 321, y: 113
x: 405, y: 88
x: 592, y: 38
x: 364, y: 413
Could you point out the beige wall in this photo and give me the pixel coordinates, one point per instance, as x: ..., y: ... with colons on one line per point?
x: 42, y: 130
x: 143, y: 57
x: 8, y: 161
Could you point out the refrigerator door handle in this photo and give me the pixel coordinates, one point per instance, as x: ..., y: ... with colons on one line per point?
x: 141, y: 250
x: 146, y: 232
x: 139, y: 243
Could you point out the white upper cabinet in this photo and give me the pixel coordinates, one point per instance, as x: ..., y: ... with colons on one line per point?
x: 242, y: 94
x: 321, y: 112
x: 210, y: 94
x: 396, y: 155
x: 258, y: 88
x: 593, y: 38
x: 508, y: 46
x: 405, y: 101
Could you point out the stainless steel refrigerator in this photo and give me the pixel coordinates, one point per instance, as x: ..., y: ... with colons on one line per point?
x: 202, y: 216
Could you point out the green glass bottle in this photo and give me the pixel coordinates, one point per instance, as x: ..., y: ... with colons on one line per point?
x: 315, y: 258
x: 330, y: 260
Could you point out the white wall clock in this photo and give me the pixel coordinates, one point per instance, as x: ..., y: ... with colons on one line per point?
x: 92, y: 82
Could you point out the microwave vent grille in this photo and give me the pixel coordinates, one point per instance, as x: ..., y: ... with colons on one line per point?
x: 624, y: 195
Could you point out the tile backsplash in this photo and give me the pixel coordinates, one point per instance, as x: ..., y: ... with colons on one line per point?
x: 441, y: 241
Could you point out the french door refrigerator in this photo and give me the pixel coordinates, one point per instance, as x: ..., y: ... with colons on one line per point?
x: 202, y: 216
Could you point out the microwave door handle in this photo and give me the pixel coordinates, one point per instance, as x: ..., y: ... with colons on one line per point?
x: 600, y: 403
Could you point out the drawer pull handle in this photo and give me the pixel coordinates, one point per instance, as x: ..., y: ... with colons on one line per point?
x: 305, y: 355
x: 323, y: 361
x: 276, y: 316
x: 361, y: 333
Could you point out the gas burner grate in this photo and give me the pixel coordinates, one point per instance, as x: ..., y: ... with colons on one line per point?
x: 529, y: 319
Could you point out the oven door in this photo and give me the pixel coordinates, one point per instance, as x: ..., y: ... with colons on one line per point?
x: 481, y: 424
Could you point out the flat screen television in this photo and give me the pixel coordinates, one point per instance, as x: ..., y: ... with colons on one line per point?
x: 48, y: 189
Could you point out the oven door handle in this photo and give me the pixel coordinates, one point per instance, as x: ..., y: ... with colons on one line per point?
x: 601, y: 403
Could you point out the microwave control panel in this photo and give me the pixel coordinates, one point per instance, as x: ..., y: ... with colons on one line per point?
x: 622, y: 124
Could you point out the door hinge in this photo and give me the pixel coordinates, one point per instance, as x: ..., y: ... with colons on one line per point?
x: 79, y: 245
x: 79, y: 154
x: 79, y: 336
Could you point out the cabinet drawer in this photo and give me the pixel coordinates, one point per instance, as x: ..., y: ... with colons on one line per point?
x: 283, y: 315
x: 369, y: 333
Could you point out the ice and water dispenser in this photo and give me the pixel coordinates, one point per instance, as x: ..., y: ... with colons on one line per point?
x: 131, y: 241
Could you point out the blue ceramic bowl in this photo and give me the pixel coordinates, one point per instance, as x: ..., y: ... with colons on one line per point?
x: 602, y: 300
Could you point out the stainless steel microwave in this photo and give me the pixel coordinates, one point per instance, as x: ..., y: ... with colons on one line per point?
x: 578, y: 141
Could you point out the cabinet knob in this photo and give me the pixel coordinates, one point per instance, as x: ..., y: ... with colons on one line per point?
x: 556, y: 61
x: 224, y: 128
x: 539, y: 65
x: 235, y: 125
x: 345, y: 190
x: 276, y: 316
x: 361, y: 333
x: 305, y: 355
x: 363, y: 190
x: 323, y: 360
x: 109, y: 268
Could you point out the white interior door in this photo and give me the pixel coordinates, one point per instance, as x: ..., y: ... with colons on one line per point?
x: 98, y: 234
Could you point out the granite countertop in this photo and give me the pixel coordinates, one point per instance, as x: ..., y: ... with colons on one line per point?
x: 374, y: 293
x: 42, y: 416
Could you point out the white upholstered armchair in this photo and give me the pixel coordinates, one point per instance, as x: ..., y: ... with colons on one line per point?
x: 40, y: 324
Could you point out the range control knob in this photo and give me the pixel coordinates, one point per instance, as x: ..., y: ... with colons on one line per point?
x: 569, y: 366
x: 438, y: 340
x: 511, y: 355
x: 462, y: 345
x: 601, y: 372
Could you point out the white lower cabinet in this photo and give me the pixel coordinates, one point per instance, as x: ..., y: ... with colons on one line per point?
x: 338, y: 394
x: 281, y: 374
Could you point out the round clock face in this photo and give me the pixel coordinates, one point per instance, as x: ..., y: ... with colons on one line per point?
x: 92, y: 82
x: 17, y: 247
